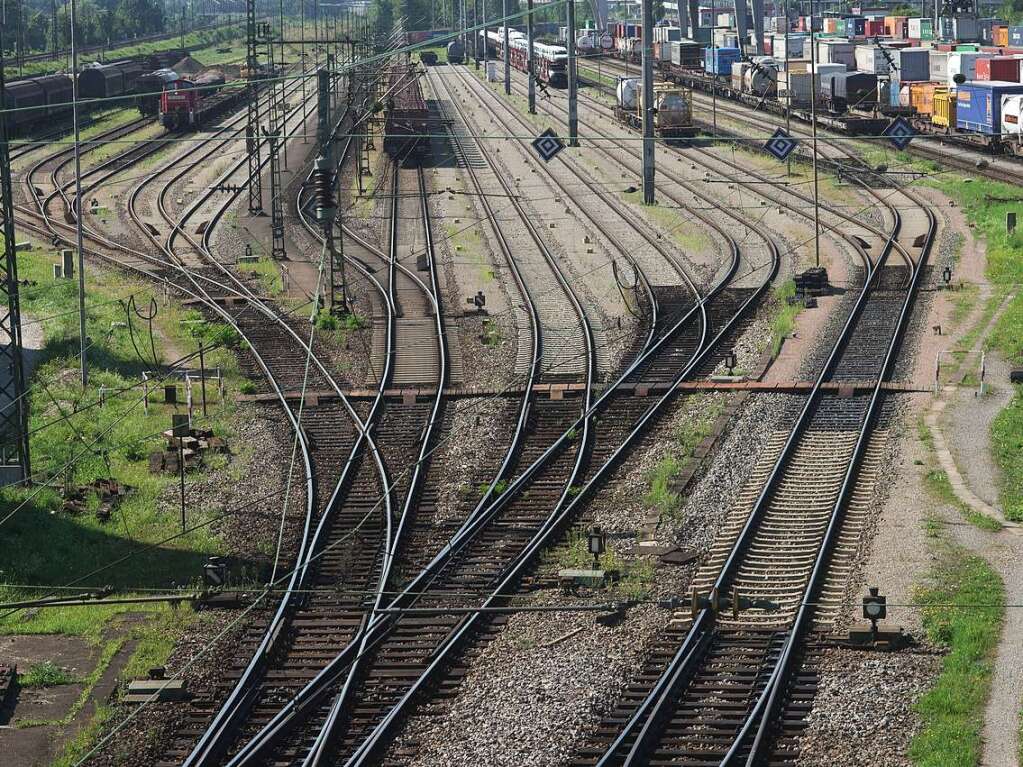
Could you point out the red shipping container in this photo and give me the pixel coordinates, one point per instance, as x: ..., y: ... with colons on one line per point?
x: 991, y: 49
x: 1003, y: 68
x: 944, y: 47
x: 872, y: 28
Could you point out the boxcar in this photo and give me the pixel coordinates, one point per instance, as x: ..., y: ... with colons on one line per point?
x: 406, y: 116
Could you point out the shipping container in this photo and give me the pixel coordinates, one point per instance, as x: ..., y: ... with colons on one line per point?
x: 939, y: 66
x: 978, y: 104
x: 961, y: 28
x: 718, y: 61
x: 1004, y: 68
x: 1015, y: 36
x: 944, y: 103
x: 921, y: 96
x: 911, y: 64
x: 795, y: 44
x: 875, y: 29
x: 1000, y: 36
x: 987, y: 30
x: 848, y: 89
x: 873, y: 59
x: 920, y: 29
x: 830, y: 25
x: 856, y: 26
x: 1012, y: 115
x: 836, y: 52
x: 738, y: 70
x: 964, y: 64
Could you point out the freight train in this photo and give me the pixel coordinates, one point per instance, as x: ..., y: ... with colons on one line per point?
x: 36, y: 101
x: 673, y: 108
x: 966, y: 92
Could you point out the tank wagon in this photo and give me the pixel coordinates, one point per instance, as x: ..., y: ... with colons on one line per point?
x: 673, y: 115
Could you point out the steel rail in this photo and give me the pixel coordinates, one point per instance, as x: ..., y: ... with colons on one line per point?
x: 562, y: 512
x: 591, y: 364
x: 243, y: 693
x: 319, y: 685
x: 655, y: 704
x: 770, y: 698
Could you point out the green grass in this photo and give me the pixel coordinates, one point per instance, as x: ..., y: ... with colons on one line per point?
x: 661, y: 494
x: 784, y: 321
x: 963, y: 604
x: 1007, y: 445
x: 42, y: 544
x: 45, y: 674
x: 985, y: 204
x: 268, y: 273
x: 205, y: 39
x: 937, y: 483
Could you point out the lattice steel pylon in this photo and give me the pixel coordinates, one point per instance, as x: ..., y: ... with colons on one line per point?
x: 252, y: 137
x: 276, y: 134
x: 13, y: 402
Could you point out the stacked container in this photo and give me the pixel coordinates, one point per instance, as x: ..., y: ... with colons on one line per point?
x: 895, y: 26
x: 920, y: 29
x: 796, y: 44
x: 987, y: 31
x: 836, y: 52
x: 1015, y: 36
x: 962, y: 28
x: 1000, y: 36
x: 872, y: 59
x: 1004, y: 68
x: 964, y: 64
x: 939, y: 66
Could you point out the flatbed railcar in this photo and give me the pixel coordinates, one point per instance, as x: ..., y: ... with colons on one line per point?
x: 406, y: 116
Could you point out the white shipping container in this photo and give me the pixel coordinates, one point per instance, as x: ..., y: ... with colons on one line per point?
x: 872, y: 59
x: 914, y: 30
x: 939, y: 66
x: 836, y: 52
x: 1012, y: 114
x: 739, y: 69
x: 965, y: 63
x: 725, y: 20
x: 795, y: 46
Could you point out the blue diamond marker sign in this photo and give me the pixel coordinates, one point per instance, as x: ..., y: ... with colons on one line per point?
x: 899, y: 132
x: 781, y: 144
x: 547, y: 145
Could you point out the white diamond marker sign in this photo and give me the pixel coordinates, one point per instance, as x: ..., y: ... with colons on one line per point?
x: 547, y: 145
x: 781, y: 144
x: 899, y: 132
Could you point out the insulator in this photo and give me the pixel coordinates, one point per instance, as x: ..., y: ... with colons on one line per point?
x: 323, y: 190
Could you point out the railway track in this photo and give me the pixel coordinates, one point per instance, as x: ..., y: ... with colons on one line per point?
x: 729, y: 688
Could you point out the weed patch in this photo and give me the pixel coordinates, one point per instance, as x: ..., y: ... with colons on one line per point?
x: 963, y: 603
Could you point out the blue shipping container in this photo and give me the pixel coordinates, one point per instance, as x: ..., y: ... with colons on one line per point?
x: 979, y: 104
x: 718, y: 61
x: 1015, y: 36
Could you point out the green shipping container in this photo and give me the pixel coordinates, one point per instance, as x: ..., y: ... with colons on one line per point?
x: 968, y: 47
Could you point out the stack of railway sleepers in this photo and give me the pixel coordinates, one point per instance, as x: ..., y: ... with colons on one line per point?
x: 406, y: 117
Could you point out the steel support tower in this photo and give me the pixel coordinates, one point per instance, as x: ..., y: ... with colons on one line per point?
x: 252, y: 137
x: 13, y: 402
x: 275, y: 133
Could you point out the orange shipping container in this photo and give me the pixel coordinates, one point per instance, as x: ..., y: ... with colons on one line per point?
x: 921, y: 97
x: 1001, y: 36
x: 944, y: 114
